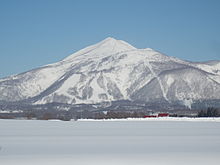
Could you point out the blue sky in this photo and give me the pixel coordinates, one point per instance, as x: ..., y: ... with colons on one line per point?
x: 38, y: 32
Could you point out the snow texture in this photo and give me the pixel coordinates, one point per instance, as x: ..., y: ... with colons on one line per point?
x: 109, y: 143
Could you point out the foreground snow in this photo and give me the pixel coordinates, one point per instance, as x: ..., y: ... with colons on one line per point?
x: 148, y: 141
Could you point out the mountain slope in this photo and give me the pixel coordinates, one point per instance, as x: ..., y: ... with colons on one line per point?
x: 113, y: 70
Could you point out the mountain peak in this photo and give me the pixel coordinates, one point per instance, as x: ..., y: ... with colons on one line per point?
x: 110, y: 39
x: 106, y: 47
x: 120, y: 44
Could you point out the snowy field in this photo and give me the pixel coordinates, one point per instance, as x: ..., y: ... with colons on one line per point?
x: 122, y: 142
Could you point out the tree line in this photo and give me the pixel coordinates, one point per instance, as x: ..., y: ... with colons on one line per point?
x: 210, y: 112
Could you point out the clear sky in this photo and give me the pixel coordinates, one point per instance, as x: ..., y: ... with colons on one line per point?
x: 38, y: 32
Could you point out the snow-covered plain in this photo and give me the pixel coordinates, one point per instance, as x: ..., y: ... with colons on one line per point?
x: 131, y: 142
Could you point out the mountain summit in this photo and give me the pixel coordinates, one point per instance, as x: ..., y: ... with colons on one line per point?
x: 113, y: 70
x: 104, y: 48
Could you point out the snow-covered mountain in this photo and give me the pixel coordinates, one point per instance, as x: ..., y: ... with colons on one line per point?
x: 114, y: 70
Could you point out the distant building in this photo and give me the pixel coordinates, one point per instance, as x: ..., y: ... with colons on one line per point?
x: 163, y: 115
x: 157, y: 115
